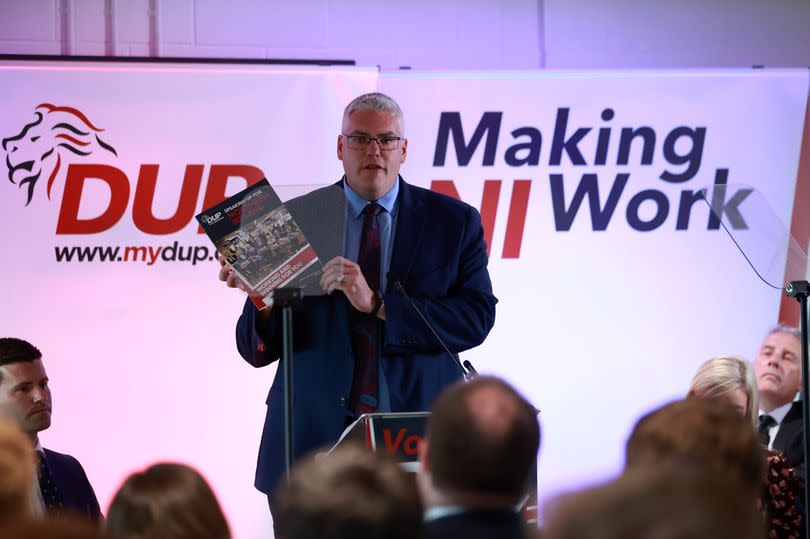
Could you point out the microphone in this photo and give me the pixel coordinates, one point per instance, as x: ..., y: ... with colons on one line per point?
x: 467, y: 370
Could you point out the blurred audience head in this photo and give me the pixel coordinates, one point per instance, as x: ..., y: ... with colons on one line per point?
x: 698, y: 434
x: 347, y: 494
x: 778, y: 367
x: 24, y: 392
x: 54, y: 527
x: 656, y: 504
x: 729, y: 380
x: 166, y: 501
x: 481, y: 446
x: 17, y: 472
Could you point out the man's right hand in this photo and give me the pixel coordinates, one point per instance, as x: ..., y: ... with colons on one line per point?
x: 229, y: 276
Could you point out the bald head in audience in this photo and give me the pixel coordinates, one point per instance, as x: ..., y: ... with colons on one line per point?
x: 481, y: 446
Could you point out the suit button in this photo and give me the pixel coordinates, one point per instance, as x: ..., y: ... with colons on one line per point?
x: 343, y: 401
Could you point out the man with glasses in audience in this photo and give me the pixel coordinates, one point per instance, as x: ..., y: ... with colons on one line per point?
x: 363, y: 347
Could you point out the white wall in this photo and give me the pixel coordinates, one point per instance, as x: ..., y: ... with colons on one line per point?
x: 425, y: 34
x: 681, y: 33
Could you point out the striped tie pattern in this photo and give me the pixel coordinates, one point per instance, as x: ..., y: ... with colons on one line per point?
x: 365, y: 329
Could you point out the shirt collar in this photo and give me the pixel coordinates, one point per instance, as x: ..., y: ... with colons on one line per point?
x: 357, y: 203
x: 778, y: 414
x: 442, y: 511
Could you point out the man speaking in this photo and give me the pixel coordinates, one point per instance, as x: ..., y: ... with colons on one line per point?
x: 363, y: 347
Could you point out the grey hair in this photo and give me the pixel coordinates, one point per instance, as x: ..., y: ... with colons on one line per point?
x: 375, y: 101
x: 784, y: 328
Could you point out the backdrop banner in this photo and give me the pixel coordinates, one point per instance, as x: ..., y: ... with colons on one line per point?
x: 614, y: 280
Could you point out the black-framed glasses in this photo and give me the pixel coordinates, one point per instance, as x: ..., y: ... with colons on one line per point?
x: 360, y: 142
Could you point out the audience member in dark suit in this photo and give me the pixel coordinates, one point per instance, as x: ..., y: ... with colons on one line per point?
x: 25, y: 396
x: 169, y: 501
x: 778, y: 367
x: 476, y: 461
x: 349, y: 493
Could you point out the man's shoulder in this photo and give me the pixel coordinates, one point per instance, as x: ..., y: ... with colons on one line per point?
x: 795, y: 413
x: 432, y: 199
x: 63, y: 459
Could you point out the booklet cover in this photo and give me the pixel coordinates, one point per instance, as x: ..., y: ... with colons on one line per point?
x: 257, y: 236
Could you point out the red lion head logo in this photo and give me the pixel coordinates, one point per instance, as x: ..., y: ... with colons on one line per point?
x: 39, y: 145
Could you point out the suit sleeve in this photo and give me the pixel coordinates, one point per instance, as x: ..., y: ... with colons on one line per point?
x: 255, y: 342
x: 462, y: 317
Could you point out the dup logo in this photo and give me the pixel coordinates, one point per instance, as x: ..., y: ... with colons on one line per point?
x: 36, y: 151
x: 60, y: 134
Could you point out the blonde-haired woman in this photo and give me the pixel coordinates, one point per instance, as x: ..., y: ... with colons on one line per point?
x: 731, y: 381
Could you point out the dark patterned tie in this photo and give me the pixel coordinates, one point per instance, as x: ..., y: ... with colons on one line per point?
x: 765, y: 424
x: 50, y: 493
x: 365, y: 329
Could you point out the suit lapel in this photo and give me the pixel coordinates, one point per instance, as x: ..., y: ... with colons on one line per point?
x: 410, y: 224
x: 789, y: 427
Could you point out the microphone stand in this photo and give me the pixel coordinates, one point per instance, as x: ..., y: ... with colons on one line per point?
x: 467, y: 370
x: 800, y: 291
x: 287, y: 298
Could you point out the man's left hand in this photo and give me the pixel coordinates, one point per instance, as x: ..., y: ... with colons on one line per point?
x: 344, y: 275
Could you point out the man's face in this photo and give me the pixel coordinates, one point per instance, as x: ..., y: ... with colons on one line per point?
x: 371, y: 172
x: 25, y: 395
x: 778, y: 368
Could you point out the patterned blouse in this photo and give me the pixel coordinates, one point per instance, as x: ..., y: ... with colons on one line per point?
x: 779, y: 493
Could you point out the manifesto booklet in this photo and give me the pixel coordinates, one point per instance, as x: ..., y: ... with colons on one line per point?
x: 257, y: 236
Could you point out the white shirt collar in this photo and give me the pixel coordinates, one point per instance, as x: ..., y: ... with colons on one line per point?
x: 442, y: 511
x: 778, y: 414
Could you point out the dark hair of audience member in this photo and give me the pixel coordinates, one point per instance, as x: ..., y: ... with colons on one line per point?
x: 489, y: 451
x: 166, y: 501
x: 699, y: 433
x: 17, y: 472
x: 346, y: 494
x: 668, y: 503
x: 54, y: 527
x: 13, y: 350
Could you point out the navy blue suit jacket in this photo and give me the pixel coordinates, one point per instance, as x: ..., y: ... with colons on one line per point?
x: 439, y: 255
x: 478, y: 524
x: 69, y: 477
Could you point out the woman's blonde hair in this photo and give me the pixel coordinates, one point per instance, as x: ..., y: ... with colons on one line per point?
x: 723, y: 374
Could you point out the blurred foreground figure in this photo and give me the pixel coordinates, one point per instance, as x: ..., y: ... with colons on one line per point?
x: 729, y: 381
x: 25, y: 396
x: 54, y: 527
x: 17, y: 473
x: 477, y: 461
x: 695, y: 434
x: 656, y: 504
x: 166, y: 501
x: 349, y: 493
